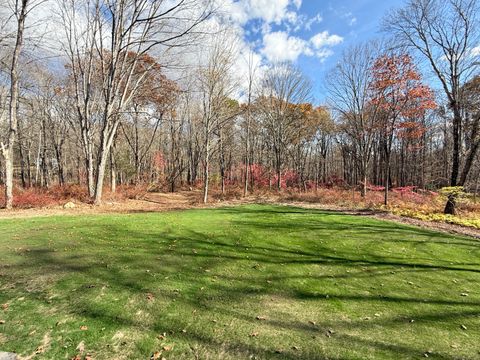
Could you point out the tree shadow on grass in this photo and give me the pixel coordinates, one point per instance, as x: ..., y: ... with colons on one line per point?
x: 137, y: 261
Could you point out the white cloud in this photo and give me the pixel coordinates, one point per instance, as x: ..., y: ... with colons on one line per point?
x: 475, y: 51
x: 323, y: 54
x: 316, y: 19
x: 269, y: 11
x: 325, y: 39
x: 279, y: 46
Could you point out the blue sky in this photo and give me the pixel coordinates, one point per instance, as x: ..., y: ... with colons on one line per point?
x: 310, y: 33
x: 354, y: 20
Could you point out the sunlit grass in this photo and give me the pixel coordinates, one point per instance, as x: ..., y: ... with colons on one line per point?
x: 236, y: 283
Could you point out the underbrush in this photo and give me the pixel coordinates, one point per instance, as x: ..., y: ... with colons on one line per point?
x: 426, y: 206
x: 408, y: 202
x: 39, y: 197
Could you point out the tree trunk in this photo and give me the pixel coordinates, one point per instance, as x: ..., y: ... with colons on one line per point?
x: 206, y: 171
x: 102, y: 163
x: 7, y: 155
x: 90, y: 178
x: 113, y: 172
x: 107, y: 137
x: 450, y: 206
x: 22, y: 166
x: 386, y: 179
x: 222, y: 163
x: 61, y: 173
x: 363, y: 190
x: 247, y: 154
x: 7, y: 150
x: 457, y: 120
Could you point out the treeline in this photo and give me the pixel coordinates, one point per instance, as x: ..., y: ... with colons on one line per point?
x: 110, y: 112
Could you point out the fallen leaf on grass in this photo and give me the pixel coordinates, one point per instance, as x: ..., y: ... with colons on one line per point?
x: 84, y: 327
x: 5, y: 306
x: 311, y: 322
x: 156, y: 355
x: 167, y: 348
x: 162, y: 336
x: 253, y: 334
x: 77, y: 357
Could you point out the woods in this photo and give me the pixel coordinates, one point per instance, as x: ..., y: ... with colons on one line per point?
x: 151, y: 93
x: 239, y: 179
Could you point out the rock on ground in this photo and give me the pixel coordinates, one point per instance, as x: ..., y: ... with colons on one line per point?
x: 69, y: 205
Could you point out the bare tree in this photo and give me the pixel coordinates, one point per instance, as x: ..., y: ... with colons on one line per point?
x: 445, y: 34
x: 252, y: 70
x: 216, y: 87
x: 284, y: 86
x: 350, y: 97
x: 121, y: 33
x: 20, y: 13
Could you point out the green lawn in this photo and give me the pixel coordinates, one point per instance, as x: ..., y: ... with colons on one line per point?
x: 253, y: 282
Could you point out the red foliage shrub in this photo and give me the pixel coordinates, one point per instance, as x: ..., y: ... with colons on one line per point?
x: 375, y: 188
x: 259, y: 175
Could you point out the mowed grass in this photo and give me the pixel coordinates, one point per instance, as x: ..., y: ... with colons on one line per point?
x: 252, y: 282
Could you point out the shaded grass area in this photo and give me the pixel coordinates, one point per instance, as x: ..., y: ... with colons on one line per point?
x: 263, y: 282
